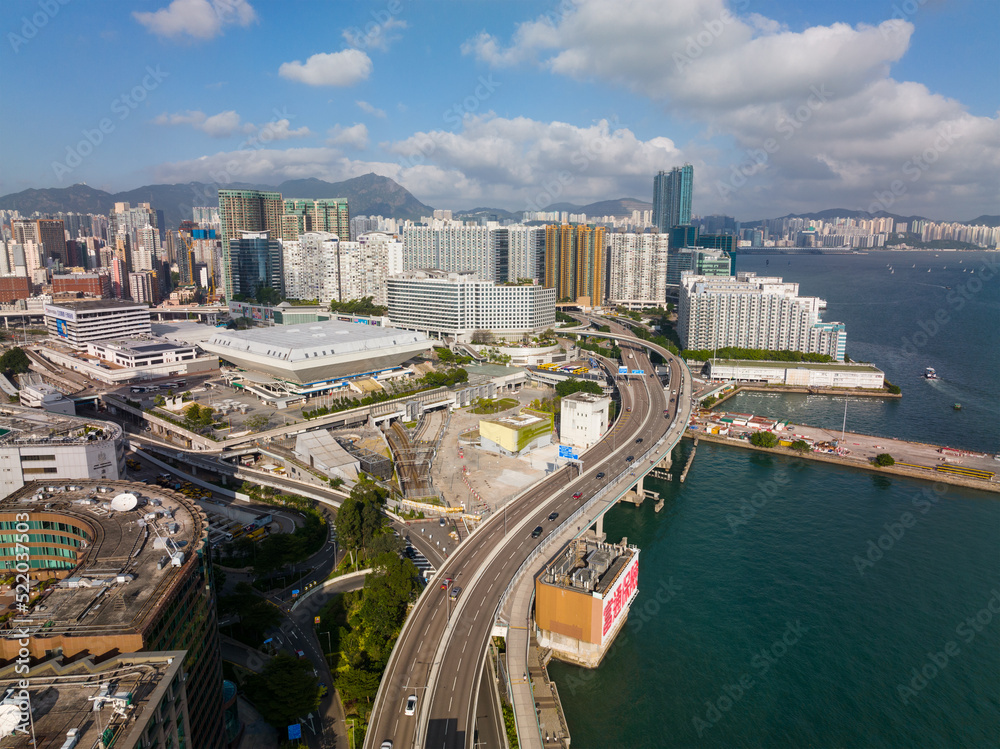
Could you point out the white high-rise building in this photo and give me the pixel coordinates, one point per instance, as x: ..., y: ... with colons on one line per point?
x: 318, y: 265
x: 754, y: 312
x: 637, y: 275
x: 458, y: 304
x: 450, y: 248
x: 525, y: 251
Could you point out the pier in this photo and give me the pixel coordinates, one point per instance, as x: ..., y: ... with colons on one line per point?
x: 690, y: 460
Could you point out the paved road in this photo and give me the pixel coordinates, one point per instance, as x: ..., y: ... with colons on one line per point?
x: 439, y: 654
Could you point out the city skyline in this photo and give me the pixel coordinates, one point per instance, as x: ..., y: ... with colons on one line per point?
x: 779, y: 108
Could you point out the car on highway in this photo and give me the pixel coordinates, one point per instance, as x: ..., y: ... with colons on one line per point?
x: 446, y: 583
x: 455, y: 591
x: 537, y: 532
x: 600, y: 475
x: 629, y: 459
x: 578, y: 495
x: 666, y: 412
x: 442, y: 522
x: 638, y: 441
x: 300, y: 653
x: 628, y: 409
x: 386, y: 745
x: 553, y: 515
x: 411, y: 705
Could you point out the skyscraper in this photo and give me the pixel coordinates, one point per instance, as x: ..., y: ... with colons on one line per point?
x: 255, y: 261
x: 321, y: 215
x: 672, y: 197
x: 637, y: 275
x: 246, y: 211
x: 574, y: 262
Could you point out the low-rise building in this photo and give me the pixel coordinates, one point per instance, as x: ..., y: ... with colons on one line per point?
x: 800, y: 374
x: 123, y: 361
x: 46, y: 446
x: 583, y: 419
x: 36, y: 393
x: 515, y: 435
x: 582, y: 599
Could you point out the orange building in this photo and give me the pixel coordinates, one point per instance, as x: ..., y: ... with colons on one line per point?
x: 582, y: 599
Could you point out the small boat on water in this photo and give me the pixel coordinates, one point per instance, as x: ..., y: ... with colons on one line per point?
x: 930, y: 374
x: 957, y: 406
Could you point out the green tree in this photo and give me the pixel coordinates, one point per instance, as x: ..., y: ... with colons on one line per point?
x: 573, y: 385
x: 358, y: 684
x: 159, y: 401
x: 14, y: 361
x: 285, y: 691
x: 884, y: 460
x: 894, y: 389
x: 360, y: 519
x: 206, y: 416
x: 257, y: 422
x: 801, y: 446
x: 764, y: 439
x: 192, y: 415
x: 709, y: 401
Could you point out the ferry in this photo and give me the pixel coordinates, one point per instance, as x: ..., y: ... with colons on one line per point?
x: 930, y: 374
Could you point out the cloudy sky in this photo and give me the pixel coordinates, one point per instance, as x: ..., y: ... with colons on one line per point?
x: 781, y: 105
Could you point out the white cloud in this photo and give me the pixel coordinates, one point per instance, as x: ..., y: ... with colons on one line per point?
x: 364, y: 106
x: 356, y: 136
x: 200, y: 19
x: 750, y: 80
x: 225, y: 124
x: 375, y: 35
x: 220, y: 125
x: 343, y: 68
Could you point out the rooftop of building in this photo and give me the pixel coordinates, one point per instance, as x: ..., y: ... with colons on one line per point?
x: 830, y: 366
x: 92, y: 305
x: 63, y: 696
x: 588, y: 566
x: 141, y: 345
x: 28, y: 426
x: 586, y: 398
x: 515, y: 421
x: 301, y: 342
x: 183, y: 331
x: 134, y: 554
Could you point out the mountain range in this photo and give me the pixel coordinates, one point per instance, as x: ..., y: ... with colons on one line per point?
x: 370, y: 194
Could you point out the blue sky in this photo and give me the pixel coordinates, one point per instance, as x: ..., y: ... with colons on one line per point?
x: 782, y: 106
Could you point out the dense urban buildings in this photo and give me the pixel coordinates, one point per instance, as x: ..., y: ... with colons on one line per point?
x: 77, y: 323
x: 524, y: 247
x: 246, y: 211
x: 320, y: 266
x: 133, y: 573
x: 672, y: 192
x: 755, y: 312
x: 451, y: 248
x: 698, y: 261
x: 89, y: 284
x: 455, y: 304
x: 329, y: 215
x: 637, y: 275
x: 574, y: 263
x: 256, y: 263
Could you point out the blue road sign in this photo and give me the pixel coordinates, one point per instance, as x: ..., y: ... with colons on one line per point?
x: 622, y: 370
x: 294, y: 731
x: 567, y: 451
x: 637, y: 372
x: 295, y: 592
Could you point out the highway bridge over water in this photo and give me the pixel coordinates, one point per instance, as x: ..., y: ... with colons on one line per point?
x: 441, y: 652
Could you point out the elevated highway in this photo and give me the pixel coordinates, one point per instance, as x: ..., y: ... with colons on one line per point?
x: 440, y: 653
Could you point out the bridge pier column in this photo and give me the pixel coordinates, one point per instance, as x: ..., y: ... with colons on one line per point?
x: 639, y: 490
x: 599, y: 525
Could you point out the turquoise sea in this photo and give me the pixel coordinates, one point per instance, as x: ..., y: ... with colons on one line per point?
x: 785, y: 603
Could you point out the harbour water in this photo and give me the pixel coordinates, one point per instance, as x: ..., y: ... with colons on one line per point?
x: 785, y: 603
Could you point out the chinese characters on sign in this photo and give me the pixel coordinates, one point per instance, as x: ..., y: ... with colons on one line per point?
x: 617, y: 601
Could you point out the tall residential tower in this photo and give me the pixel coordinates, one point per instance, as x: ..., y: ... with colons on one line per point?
x: 672, y: 197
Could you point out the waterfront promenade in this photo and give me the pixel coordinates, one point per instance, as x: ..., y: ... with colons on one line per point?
x: 913, y: 459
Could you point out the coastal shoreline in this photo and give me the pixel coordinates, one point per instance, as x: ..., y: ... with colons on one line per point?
x: 897, y: 470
